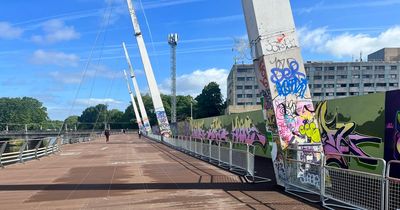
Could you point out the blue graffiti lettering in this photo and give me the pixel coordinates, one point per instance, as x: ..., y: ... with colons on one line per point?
x: 289, y: 80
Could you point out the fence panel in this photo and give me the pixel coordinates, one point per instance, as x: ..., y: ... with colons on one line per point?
x: 357, y: 189
x: 392, y: 187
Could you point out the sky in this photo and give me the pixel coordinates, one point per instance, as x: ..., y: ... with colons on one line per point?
x: 68, y: 53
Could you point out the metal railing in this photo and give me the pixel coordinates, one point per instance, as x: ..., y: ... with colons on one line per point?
x: 36, y: 148
x: 392, y: 199
x: 236, y: 157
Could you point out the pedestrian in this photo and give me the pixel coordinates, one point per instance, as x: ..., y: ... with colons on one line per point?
x: 107, y: 134
x: 140, y: 134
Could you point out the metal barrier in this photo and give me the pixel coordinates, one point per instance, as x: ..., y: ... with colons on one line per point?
x: 36, y: 148
x: 352, y: 188
x: 304, y: 172
x: 238, y: 158
x: 392, y: 198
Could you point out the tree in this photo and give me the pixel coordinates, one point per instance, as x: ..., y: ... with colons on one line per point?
x: 22, y: 111
x: 71, y: 122
x: 115, y: 118
x: 93, y: 117
x: 209, y: 102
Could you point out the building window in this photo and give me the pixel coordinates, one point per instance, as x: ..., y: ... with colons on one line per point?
x: 368, y: 85
x: 256, y: 87
x: 354, y: 93
x: 317, y: 86
x: 258, y: 95
x: 354, y: 85
x: 317, y: 94
x: 330, y: 77
x: 329, y: 94
x: 341, y: 85
x: 341, y: 68
x: 329, y: 85
x: 356, y: 76
x: 340, y: 94
x: 239, y: 87
x: 240, y: 95
x: 342, y: 76
x: 241, y: 79
x: 393, y: 67
x: 380, y: 84
x: 379, y: 67
x: 249, y: 95
x: 249, y: 78
x: 249, y: 103
x: 367, y: 76
x: 330, y: 68
x: 380, y: 76
x: 241, y: 70
x: 317, y: 77
x: 318, y: 68
x: 366, y: 68
x: 393, y: 84
x: 356, y: 67
x: 248, y: 87
x: 393, y: 76
x: 240, y: 104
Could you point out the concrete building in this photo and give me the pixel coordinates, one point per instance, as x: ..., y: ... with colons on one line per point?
x: 327, y: 80
x: 242, y: 91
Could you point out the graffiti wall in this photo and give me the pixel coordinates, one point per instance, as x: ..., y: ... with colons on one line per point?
x: 246, y: 127
x: 354, y: 126
x: 392, y: 129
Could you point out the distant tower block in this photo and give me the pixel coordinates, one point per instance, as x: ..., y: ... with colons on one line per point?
x: 173, y: 42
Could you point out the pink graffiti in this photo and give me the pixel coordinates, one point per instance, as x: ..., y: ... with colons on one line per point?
x: 198, y: 133
x: 247, y: 135
x: 217, y: 134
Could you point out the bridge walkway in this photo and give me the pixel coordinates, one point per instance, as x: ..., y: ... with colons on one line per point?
x: 131, y: 173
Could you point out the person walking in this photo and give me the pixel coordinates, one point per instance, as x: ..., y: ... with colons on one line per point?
x: 140, y: 134
x: 107, y: 134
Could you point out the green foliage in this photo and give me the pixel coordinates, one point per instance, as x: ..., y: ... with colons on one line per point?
x: 24, y: 110
x: 90, y: 115
x: 209, y: 102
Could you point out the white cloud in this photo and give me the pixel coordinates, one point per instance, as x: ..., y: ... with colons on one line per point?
x: 347, y: 44
x: 99, y: 71
x: 193, y: 83
x: 95, y: 101
x: 320, y: 6
x: 55, y: 31
x: 7, y: 31
x: 42, y: 57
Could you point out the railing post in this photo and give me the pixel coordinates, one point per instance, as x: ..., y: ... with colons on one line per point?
x: 322, y: 184
x: 37, y: 148
x: 230, y: 155
x: 2, y: 149
x: 209, y: 150
x: 219, y: 153
x: 248, y: 159
x: 21, y: 151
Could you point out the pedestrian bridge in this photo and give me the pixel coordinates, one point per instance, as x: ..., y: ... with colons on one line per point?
x: 132, y: 173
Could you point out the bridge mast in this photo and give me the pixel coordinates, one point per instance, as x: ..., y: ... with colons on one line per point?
x: 146, y: 122
x: 138, y: 119
x: 280, y: 73
x: 154, y: 92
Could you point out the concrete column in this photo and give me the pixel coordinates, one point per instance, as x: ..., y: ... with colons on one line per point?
x: 26, y: 128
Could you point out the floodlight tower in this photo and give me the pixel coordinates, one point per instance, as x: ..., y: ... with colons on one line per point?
x: 173, y: 42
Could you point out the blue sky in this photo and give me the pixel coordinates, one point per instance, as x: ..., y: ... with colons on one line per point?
x: 45, y: 45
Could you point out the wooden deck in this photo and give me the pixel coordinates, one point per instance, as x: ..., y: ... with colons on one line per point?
x: 131, y: 173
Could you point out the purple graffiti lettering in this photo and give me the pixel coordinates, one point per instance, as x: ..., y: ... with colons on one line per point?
x: 289, y: 80
x: 247, y: 135
x: 217, y: 134
x: 342, y: 139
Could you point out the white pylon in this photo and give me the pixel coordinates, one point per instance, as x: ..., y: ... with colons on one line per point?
x: 154, y: 92
x: 142, y: 109
x: 138, y: 118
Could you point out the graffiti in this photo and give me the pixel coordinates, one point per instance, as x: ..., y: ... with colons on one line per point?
x: 280, y: 43
x: 289, y: 80
x: 396, y: 138
x: 163, y: 122
x: 311, y: 131
x: 244, y: 131
x: 341, y: 138
x: 197, y: 129
x: 309, y: 178
x: 217, y: 134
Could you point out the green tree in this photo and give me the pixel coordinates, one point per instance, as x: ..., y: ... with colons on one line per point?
x: 115, y: 118
x: 19, y: 111
x: 209, y: 102
x: 93, y: 117
x: 71, y: 121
